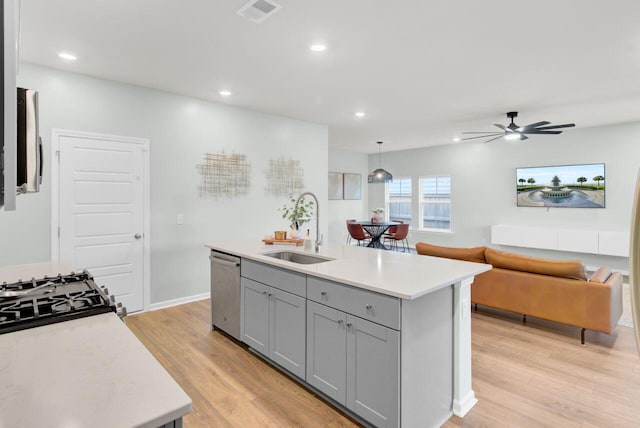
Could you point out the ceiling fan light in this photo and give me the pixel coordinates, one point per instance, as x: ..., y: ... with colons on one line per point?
x: 512, y: 136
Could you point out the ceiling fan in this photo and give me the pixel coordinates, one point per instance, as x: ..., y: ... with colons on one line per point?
x: 516, y: 132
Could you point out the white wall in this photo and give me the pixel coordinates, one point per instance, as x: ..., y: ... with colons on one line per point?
x: 180, y: 129
x: 341, y: 210
x: 484, y: 191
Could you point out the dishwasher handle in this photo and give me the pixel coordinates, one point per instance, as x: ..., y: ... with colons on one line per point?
x: 224, y: 262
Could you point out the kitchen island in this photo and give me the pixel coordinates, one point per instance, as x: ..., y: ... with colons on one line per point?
x: 86, y: 372
x: 384, y: 335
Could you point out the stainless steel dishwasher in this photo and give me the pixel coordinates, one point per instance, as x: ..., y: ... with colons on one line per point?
x: 225, y: 293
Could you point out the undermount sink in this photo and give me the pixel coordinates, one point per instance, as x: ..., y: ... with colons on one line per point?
x: 303, y: 259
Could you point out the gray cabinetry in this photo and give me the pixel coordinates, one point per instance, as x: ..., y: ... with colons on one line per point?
x: 373, y: 371
x: 287, y: 331
x: 274, y: 324
x: 365, y: 304
x: 255, y: 314
x: 282, y: 279
x: 327, y: 350
x: 355, y: 362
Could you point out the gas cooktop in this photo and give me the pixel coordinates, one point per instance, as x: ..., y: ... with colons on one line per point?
x: 27, y: 304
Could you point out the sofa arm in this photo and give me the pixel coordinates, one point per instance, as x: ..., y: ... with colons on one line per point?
x: 615, y: 282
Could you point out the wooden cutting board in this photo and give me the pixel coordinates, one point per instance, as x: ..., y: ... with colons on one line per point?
x: 298, y: 242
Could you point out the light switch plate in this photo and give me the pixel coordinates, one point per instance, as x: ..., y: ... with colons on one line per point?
x: 180, y: 219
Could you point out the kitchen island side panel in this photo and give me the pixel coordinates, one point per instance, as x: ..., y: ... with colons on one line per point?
x: 427, y: 359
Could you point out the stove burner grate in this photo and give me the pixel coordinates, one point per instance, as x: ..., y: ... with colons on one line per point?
x: 61, y: 298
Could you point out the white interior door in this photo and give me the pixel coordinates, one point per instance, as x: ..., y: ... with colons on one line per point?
x: 101, y: 211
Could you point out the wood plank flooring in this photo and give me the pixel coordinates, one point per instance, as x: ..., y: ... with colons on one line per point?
x: 533, y: 375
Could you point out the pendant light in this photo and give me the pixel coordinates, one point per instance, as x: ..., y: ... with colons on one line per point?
x: 379, y: 175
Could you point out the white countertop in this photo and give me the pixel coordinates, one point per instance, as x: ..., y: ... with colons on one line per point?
x: 33, y: 270
x: 87, y: 372
x: 403, y: 275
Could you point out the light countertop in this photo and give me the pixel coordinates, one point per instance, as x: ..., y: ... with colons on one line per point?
x: 87, y: 372
x: 403, y: 275
x: 25, y: 272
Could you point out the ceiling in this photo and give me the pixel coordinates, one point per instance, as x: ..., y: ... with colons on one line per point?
x: 422, y: 70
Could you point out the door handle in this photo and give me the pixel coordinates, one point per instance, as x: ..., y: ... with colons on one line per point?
x: 137, y: 236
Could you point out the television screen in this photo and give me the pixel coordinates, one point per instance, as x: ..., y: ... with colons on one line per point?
x: 565, y: 186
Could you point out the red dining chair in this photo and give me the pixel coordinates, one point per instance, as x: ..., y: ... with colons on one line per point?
x: 357, y: 232
x: 401, y: 234
x: 392, y: 229
x: 349, y: 220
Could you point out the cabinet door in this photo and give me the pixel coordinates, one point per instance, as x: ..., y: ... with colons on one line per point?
x: 287, y: 331
x: 255, y: 310
x: 373, y: 371
x: 327, y: 350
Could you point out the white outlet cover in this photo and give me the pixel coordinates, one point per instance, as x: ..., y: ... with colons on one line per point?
x: 180, y: 219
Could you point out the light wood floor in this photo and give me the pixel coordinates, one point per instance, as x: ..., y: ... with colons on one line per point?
x: 523, y: 375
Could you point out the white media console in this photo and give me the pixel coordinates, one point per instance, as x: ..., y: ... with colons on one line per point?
x: 576, y: 241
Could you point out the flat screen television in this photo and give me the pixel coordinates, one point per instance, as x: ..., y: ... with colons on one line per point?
x: 562, y: 186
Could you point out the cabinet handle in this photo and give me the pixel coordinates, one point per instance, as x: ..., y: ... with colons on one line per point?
x: 323, y: 293
x: 264, y: 293
x: 369, y: 307
x: 270, y: 294
x: 340, y: 321
x: 349, y: 324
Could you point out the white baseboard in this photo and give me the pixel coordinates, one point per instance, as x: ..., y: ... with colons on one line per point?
x: 179, y: 301
x: 462, y: 407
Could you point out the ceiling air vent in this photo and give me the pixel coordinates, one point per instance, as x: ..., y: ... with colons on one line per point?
x: 258, y: 10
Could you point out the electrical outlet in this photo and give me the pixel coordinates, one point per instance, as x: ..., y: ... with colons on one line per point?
x: 180, y: 219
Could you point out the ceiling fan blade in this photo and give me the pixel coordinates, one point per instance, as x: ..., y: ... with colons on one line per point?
x: 537, y: 131
x: 483, y: 132
x: 488, y: 141
x: 566, y: 125
x: 483, y: 136
x: 535, y: 125
x: 523, y: 137
x: 504, y: 128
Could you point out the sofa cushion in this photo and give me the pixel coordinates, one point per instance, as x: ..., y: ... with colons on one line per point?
x: 601, y: 275
x: 475, y: 254
x: 563, y: 268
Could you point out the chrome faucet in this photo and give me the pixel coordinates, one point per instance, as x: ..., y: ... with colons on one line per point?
x: 318, y: 241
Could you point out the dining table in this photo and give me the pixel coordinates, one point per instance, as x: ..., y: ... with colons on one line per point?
x: 376, y: 230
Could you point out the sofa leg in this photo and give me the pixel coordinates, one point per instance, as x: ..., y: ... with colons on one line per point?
x: 582, y: 337
x: 475, y: 307
x: 524, y: 319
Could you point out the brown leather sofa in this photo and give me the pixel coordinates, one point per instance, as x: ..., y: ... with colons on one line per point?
x: 558, y: 291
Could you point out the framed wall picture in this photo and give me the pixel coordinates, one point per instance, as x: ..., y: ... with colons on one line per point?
x: 352, y: 186
x: 335, y: 185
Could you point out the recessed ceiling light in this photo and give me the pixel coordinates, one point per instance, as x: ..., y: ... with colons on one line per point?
x: 67, y: 56
x: 359, y: 114
x: 318, y: 47
x: 225, y: 93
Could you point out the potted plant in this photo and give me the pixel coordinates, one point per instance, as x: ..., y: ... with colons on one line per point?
x: 299, y: 217
x: 378, y: 215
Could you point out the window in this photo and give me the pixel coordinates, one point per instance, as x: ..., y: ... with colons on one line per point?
x: 399, y: 199
x: 435, y: 203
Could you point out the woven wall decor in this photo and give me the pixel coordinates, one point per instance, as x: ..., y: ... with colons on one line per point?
x: 224, y: 175
x: 284, y: 177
